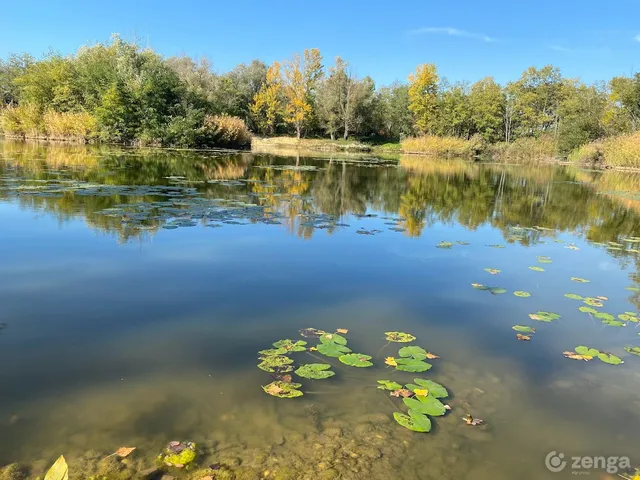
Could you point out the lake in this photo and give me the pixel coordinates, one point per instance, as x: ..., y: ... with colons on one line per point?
x: 138, y: 286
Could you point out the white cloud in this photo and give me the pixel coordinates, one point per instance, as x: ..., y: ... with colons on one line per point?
x: 453, y: 32
x: 579, y: 51
x: 637, y: 38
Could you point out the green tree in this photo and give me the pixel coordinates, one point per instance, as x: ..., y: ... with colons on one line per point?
x: 393, y: 111
x: 488, y: 109
x: 12, y: 68
x: 581, y: 113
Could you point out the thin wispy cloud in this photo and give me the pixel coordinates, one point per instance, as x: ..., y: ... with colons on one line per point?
x: 578, y: 51
x: 453, y: 32
x: 637, y: 38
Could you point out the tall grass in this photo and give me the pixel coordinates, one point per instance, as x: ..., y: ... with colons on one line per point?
x: 27, y: 121
x: 22, y: 121
x: 526, y: 150
x: 442, y: 146
x: 622, y: 151
x: 227, y: 131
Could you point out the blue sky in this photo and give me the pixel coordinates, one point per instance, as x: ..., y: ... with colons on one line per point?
x: 386, y: 40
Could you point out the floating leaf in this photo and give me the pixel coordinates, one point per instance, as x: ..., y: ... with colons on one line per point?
x: 523, y: 329
x: 315, y: 371
x: 580, y: 280
x: 496, y: 246
x: 497, y: 290
x: 602, y: 298
x: 593, y: 302
x: 479, y: 286
x: 472, y: 422
x: 414, y: 352
x: 391, y: 362
x: 461, y: 242
x: 276, y: 364
x: 435, y: 389
x: 627, y: 318
x: 572, y: 247
x: 633, y: 350
x: 399, y: 337
x: 312, y: 332
x: 633, y: 289
x: 401, y: 392
x: 332, y: 349
x: 614, y: 323
x: 633, y: 314
x: 421, y: 392
x: 604, y: 316
x: 428, y: 405
x: 444, y: 245
x: 389, y: 385
x: 273, y: 351
x: 412, y: 365
x: 415, y: 422
x: 290, y: 345
x: 542, y: 259
x: 356, y: 360
x: 610, y: 358
x: 525, y: 338
x: 58, y: 471
x: 590, y: 352
x: 587, y: 310
x: 431, y: 356
x: 492, y: 271
x: 543, y: 316
x: 576, y: 356
x: 124, y: 452
x: 283, y: 390
x: 537, y: 269
x: 333, y: 338
x: 342, y: 330
x: 520, y: 293
x: 573, y: 296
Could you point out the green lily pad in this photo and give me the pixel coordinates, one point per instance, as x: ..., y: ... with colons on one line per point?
x: 614, y: 323
x: 283, y: 390
x: 316, y: 371
x: 492, y: 271
x: 632, y: 289
x: 479, y: 286
x: 590, y: 352
x: 356, y: 360
x: 415, y: 421
x: 537, y: 269
x: 542, y: 316
x: 412, y: 365
x: 588, y: 310
x: 633, y: 350
x: 604, y: 316
x: 311, y: 332
x: 290, y: 345
x: 580, y: 280
x: 435, y: 389
x: 333, y: 338
x: 520, y: 293
x: 497, y: 290
x: 523, y: 329
x: 389, y: 385
x: 573, y: 296
x: 594, y: 302
x: 399, y: 337
x: 610, y: 358
x: 633, y: 314
x: 428, y: 405
x: 627, y: 318
x: 461, y: 242
x: 333, y: 349
x: 413, y: 351
x: 276, y: 363
x: 273, y: 351
x: 444, y: 245
x: 542, y: 259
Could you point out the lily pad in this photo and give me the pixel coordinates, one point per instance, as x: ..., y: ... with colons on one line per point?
x: 495, y: 245
x: 413, y: 351
x: 542, y: 316
x: 610, y: 358
x: 588, y: 310
x: 573, y: 296
x: 428, y: 405
x: 276, y: 363
x: 632, y: 289
x: 593, y: 302
x: 412, y: 365
x: 311, y: 332
x: 461, y: 242
x: 537, y: 269
x: 316, y: 371
x: 542, y: 259
x: 399, y: 337
x: 633, y: 350
x: 435, y: 389
x: 333, y: 338
x: 492, y: 271
x: 580, y: 280
x: 497, y: 290
x: 333, y: 349
x: 479, y: 286
x: 415, y: 421
x: 522, y: 294
x: 589, y: 352
x: 444, y: 245
x: 604, y: 316
x: 273, y: 351
x: 389, y: 385
x: 614, y: 323
x: 283, y: 390
x: 356, y: 360
x: 627, y: 318
x: 523, y: 329
x: 290, y: 345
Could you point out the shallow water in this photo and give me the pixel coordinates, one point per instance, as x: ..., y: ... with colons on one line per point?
x: 137, y: 287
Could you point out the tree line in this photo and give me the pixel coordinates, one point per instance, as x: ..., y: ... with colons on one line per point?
x: 120, y: 92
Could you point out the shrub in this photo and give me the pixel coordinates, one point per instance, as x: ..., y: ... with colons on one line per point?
x: 23, y: 121
x: 620, y: 151
x: 526, y: 150
x: 79, y: 126
x: 442, y: 146
x: 225, y: 131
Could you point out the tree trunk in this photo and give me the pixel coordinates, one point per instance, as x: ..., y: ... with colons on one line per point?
x: 298, y: 131
x: 333, y: 136
x: 346, y: 131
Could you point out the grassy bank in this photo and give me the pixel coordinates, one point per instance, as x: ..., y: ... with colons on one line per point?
x: 622, y: 151
x: 441, y: 146
x: 525, y: 150
x: 312, y: 144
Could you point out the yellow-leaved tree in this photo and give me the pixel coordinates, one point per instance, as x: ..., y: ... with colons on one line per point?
x: 300, y: 81
x: 423, y: 96
x: 267, y: 107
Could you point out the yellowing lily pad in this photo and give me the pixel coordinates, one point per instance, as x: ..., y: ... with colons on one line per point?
x: 315, y: 371
x: 492, y: 271
x: 276, y: 363
x: 290, y: 345
x: 283, y: 390
x: 537, y: 269
x: 59, y: 470
x: 444, y: 245
x: 580, y: 280
x: 522, y: 294
x: 356, y: 360
x: 399, y: 337
x: 479, y: 286
x: 573, y: 296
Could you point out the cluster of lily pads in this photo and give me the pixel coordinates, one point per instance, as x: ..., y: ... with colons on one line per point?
x: 585, y: 353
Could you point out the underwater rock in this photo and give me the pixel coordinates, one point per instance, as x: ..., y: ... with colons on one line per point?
x: 179, y: 454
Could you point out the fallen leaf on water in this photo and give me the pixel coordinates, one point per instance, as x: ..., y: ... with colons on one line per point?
x: 421, y: 392
x: 391, y: 361
x: 431, y: 356
x: 282, y: 377
x: 401, y: 392
x: 273, y: 389
x: 576, y: 356
x: 526, y: 338
x: 474, y: 422
x: 313, y: 349
x: 492, y: 271
x: 602, y: 298
x: 342, y: 330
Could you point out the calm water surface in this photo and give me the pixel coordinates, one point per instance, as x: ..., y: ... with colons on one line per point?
x: 136, y: 288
